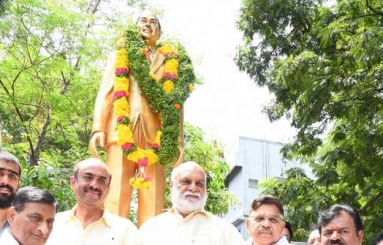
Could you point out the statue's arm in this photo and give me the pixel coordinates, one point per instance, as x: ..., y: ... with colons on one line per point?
x: 103, y: 108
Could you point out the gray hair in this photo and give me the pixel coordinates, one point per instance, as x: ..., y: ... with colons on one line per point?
x: 8, y: 157
x: 32, y: 194
x: 182, y: 167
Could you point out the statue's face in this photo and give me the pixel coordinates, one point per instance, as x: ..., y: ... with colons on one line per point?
x: 150, y: 28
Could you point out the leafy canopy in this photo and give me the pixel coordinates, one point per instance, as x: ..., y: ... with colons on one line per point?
x: 323, y: 62
x: 52, y: 57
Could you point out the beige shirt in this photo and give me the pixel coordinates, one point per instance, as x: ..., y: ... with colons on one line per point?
x: 109, y: 230
x: 198, y: 228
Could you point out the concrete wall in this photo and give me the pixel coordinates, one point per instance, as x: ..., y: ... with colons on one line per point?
x: 255, y: 159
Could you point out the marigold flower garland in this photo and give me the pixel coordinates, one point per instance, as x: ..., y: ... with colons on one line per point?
x: 166, y: 97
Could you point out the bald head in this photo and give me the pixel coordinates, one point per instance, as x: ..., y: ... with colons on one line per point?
x: 314, y: 238
x: 187, y: 167
x: 90, y: 162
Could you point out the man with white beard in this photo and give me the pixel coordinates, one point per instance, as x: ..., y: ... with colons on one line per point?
x: 187, y: 222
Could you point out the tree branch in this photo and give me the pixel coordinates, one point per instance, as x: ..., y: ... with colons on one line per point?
x: 372, y: 9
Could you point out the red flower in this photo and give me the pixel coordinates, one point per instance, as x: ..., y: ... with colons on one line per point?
x: 170, y: 76
x: 177, y: 106
x: 147, y: 178
x: 127, y: 146
x: 120, y: 118
x: 155, y: 145
x: 171, y: 54
x: 121, y: 71
x: 143, y: 162
x: 119, y: 94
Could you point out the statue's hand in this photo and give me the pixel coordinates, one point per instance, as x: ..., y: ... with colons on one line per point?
x: 97, y: 138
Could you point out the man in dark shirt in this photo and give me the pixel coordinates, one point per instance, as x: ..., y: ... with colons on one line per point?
x: 10, y: 171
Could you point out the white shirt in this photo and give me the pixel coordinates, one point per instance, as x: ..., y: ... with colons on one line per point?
x: 281, y: 241
x: 7, y: 239
x: 198, y: 228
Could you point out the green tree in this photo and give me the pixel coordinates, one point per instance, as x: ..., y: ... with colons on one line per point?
x: 323, y: 63
x: 51, y: 57
x: 210, y: 155
x: 3, y: 5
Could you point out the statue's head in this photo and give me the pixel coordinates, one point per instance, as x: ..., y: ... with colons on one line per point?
x: 150, y: 27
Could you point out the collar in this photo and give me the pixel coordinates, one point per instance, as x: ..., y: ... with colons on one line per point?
x: 191, y: 215
x: 5, y: 226
x: 106, y: 216
x: 281, y: 241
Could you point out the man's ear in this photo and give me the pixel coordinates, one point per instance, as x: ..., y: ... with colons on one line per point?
x: 11, y: 213
x: 72, y: 181
x: 247, y: 223
x: 360, y: 236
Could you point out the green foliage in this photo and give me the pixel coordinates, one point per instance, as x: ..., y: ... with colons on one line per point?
x: 324, y: 66
x: 3, y: 6
x: 209, y: 154
x: 51, y: 56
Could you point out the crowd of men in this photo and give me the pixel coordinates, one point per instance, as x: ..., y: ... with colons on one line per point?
x: 28, y: 215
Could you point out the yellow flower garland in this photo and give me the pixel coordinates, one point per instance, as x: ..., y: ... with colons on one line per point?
x: 144, y: 157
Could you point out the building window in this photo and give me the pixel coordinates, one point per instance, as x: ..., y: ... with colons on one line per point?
x: 253, y: 183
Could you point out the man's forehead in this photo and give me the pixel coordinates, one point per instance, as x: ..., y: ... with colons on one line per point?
x: 150, y: 17
x: 10, y: 166
x: 265, y: 209
x: 94, y: 169
x: 340, y: 221
x: 40, y: 208
x: 195, y: 174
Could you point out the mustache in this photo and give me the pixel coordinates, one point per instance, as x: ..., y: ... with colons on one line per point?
x: 265, y: 230
x: 6, y: 186
x: 337, y: 241
x: 190, y: 193
x: 93, y: 189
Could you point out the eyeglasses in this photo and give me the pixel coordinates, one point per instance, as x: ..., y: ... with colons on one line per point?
x: 261, y: 219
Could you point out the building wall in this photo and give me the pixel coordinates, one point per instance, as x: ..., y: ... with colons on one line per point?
x: 255, y: 159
